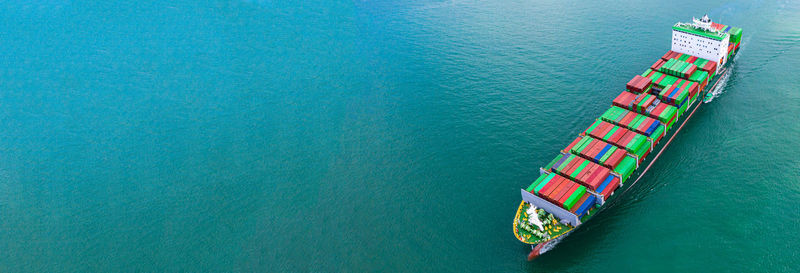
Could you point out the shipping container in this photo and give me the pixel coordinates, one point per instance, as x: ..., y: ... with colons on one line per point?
x: 630, y: 141
x: 548, y: 179
x: 576, y: 195
x: 586, y: 203
x: 624, y: 118
x: 639, y: 84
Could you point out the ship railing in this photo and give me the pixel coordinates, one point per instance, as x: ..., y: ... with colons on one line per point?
x: 542, y: 171
x: 557, y: 211
x: 599, y: 197
x: 635, y: 157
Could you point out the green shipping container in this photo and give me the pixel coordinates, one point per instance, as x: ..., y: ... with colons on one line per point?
x: 673, y: 70
x: 700, y: 62
x: 636, y: 143
x: 643, y: 149
x: 574, y: 197
x: 682, y: 95
x: 611, y: 114
x: 569, y: 159
x: 668, y: 114
x: 536, y: 183
x: 543, y: 183
x: 608, y: 154
x: 636, y: 122
x: 621, y: 116
x: 682, y: 109
x: 625, y: 168
x: 668, y: 80
x: 610, y: 133
x: 736, y: 34
x: 578, y: 170
x: 699, y: 76
x: 658, y: 132
x: 581, y: 145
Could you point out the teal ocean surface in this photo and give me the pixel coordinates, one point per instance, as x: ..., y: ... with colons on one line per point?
x: 369, y: 136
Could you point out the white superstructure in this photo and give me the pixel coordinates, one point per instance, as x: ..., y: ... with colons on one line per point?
x: 702, y: 40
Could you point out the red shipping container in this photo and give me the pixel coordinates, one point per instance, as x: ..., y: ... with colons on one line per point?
x: 570, y: 164
x: 555, y: 195
x: 592, y: 177
x: 597, y: 129
x: 692, y: 69
x: 667, y: 55
x: 713, y: 66
x: 598, y: 179
x: 615, y: 158
x: 563, y: 198
x: 592, y: 168
x: 591, y: 152
x: 628, y: 118
x: 591, y: 182
x: 599, y: 133
x: 604, y: 130
x: 612, y: 186
x: 600, y: 144
x: 657, y: 111
x: 645, y: 82
x: 580, y: 203
x: 645, y: 125
x: 549, y: 195
x: 625, y: 139
x: 550, y: 186
x: 693, y: 89
x: 578, y: 162
x: 657, y: 64
x: 624, y: 99
x: 616, y: 136
x: 638, y: 84
x: 588, y: 146
x: 598, y: 148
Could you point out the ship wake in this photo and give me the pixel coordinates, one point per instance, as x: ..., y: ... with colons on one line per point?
x: 719, y: 88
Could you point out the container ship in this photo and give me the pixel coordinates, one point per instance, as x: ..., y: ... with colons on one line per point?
x: 609, y: 156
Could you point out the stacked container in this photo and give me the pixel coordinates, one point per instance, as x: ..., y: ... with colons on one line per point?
x: 558, y: 190
x: 597, y: 151
x: 677, y: 68
x: 660, y: 80
x: 580, y: 170
x: 636, y: 144
x: 583, y: 205
x: 679, y: 93
x: 641, y: 103
x: 639, y: 84
x: 701, y: 78
x: 647, y: 126
x: 702, y: 64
